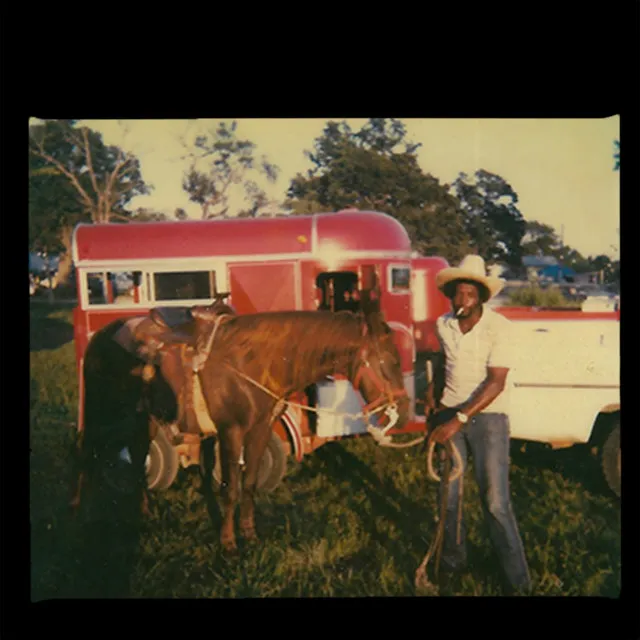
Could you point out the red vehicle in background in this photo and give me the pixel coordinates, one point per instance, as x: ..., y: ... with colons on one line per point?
x: 565, y: 383
x: 319, y: 261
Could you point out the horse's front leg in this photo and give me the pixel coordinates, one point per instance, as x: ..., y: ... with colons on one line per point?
x: 230, y: 462
x: 255, y: 445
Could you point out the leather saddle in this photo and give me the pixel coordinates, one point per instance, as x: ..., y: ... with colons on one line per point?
x: 179, y: 325
x: 182, y: 333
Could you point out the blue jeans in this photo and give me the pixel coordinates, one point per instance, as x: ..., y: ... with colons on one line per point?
x: 487, y: 437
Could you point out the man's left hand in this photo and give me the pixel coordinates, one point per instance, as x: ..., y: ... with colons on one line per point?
x: 446, y: 431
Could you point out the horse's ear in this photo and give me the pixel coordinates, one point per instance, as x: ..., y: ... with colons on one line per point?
x: 376, y: 323
x: 369, y: 302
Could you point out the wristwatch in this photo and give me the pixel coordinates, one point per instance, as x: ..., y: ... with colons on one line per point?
x: 463, y: 417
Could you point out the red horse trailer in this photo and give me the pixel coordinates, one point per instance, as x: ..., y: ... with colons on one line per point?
x: 319, y: 261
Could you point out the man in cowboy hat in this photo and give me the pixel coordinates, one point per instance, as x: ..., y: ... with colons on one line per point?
x: 473, y: 413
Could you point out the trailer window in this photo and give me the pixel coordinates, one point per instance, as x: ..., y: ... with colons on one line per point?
x: 400, y: 281
x: 114, y: 287
x: 96, y: 288
x: 338, y: 291
x: 185, y: 285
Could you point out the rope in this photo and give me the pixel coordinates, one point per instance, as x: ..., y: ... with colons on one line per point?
x: 400, y: 445
x: 289, y: 403
x: 421, y: 579
x: 454, y: 454
x: 380, y: 438
x: 200, y: 358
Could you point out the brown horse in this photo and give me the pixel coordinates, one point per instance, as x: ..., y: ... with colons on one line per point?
x: 260, y: 360
x: 253, y: 364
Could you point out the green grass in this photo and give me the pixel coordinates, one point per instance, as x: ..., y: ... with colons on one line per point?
x: 350, y: 520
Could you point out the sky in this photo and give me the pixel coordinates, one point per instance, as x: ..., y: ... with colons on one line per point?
x: 561, y: 169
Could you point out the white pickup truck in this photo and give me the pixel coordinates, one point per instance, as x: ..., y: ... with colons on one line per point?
x: 565, y: 385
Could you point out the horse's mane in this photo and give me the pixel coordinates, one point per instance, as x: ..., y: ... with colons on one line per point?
x: 309, y: 339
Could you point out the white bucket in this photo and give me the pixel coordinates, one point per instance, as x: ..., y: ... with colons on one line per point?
x: 339, y: 396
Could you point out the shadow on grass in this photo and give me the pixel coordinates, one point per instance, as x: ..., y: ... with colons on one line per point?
x: 90, y: 553
x: 386, y: 501
x: 47, y: 334
x: 575, y: 463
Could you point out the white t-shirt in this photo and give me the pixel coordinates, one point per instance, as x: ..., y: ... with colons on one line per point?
x: 468, y: 355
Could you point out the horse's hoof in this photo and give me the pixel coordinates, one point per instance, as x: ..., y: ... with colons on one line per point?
x: 230, y: 549
x: 249, y: 535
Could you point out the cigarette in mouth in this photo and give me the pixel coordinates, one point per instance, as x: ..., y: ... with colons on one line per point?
x: 460, y: 310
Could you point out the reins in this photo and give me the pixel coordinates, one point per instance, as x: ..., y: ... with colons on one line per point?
x: 282, y: 403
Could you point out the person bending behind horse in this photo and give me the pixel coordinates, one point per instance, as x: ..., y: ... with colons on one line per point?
x: 473, y: 412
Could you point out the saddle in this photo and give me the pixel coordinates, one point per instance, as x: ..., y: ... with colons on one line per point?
x: 186, y: 334
x: 179, y: 325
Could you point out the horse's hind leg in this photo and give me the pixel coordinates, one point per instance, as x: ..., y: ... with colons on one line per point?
x: 230, y: 462
x: 208, y: 452
x: 256, y: 443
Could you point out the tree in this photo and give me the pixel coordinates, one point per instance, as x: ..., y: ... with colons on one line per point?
x: 74, y: 177
x: 227, y: 161
x: 609, y: 269
x: 492, y: 218
x: 573, y: 259
x: 376, y: 168
x: 142, y: 214
x: 540, y: 240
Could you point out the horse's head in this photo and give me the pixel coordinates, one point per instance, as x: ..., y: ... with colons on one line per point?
x: 377, y: 372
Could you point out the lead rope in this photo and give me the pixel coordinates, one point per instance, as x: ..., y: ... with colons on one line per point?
x: 421, y: 579
x: 282, y: 403
x: 380, y: 437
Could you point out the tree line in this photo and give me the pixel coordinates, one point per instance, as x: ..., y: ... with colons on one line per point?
x: 75, y: 177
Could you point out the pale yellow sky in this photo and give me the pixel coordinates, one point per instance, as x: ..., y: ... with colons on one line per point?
x: 561, y: 169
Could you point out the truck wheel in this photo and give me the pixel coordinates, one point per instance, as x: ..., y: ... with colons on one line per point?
x: 272, y: 466
x: 162, y: 463
x: 611, y: 461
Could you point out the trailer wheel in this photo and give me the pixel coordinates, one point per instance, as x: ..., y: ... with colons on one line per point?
x: 162, y: 463
x: 272, y: 466
x: 611, y: 460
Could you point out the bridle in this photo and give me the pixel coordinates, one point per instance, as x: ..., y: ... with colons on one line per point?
x: 388, y: 395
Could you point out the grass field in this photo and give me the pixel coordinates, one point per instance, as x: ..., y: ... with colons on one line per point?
x: 351, y: 520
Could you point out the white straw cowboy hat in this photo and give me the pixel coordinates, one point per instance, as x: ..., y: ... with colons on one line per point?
x: 471, y: 268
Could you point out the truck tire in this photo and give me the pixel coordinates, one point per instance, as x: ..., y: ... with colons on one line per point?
x: 611, y: 461
x: 162, y: 463
x: 273, y: 465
